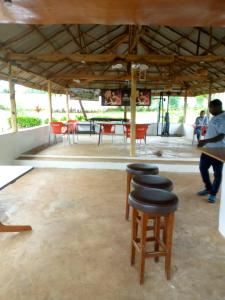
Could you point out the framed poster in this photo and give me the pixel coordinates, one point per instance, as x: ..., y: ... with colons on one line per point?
x: 111, y: 97
x: 121, y: 97
x: 143, y: 97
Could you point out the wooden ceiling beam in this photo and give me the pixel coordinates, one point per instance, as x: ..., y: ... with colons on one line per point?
x: 117, y: 77
x: 101, y: 58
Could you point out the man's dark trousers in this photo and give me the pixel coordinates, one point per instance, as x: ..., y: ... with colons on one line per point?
x: 205, y: 163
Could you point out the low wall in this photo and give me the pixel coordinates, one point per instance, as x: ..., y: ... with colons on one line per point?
x: 14, y: 144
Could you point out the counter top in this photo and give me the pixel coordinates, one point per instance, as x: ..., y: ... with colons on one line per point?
x: 218, y: 153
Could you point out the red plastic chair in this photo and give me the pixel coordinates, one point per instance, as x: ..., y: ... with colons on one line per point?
x: 141, y: 131
x: 72, y: 126
x: 203, y: 132
x: 106, y: 129
x: 57, y: 128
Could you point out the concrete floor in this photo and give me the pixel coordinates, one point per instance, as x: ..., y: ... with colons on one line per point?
x: 80, y: 245
x: 170, y: 148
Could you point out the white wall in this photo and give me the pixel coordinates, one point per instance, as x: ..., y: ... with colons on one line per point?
x: 188, y: 131
x: 14, y: 144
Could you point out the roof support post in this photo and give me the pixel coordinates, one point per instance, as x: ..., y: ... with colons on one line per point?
x: 185, y: 106
x: 210, y: 96
x: 12, y: 100
x: 133, y: 112
x: 50, y: 99
x: 67, y: 105
x: 83, y: 110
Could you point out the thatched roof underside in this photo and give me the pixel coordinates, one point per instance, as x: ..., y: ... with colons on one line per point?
x: 60, y: 53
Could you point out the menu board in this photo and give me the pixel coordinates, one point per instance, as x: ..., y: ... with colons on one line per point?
x: 121, y: 97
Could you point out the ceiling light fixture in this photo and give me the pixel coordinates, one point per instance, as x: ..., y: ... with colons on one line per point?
x: 117, y: 67
x: 76, y: 80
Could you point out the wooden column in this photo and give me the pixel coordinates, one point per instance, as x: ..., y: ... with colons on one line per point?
x: 67, y: 105
x: 133, y: 113
x: 185, y: 106
x: 12, y: 100
x: 210, y: 96
x: 50, y: 100
x: 83, y: 110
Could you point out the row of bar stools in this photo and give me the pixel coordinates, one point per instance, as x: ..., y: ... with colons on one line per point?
x: 152, y: 203
x: 137, y: 169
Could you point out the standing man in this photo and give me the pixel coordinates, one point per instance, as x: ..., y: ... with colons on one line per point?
x: 201, y: 121
x: 215, y: 138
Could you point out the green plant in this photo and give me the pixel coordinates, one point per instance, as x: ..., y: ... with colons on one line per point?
x: 25, y: 122
x: 80, y: 118
x: 64, y: 118
x: 46, y: 121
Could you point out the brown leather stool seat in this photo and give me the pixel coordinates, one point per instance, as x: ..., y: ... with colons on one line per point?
x: 153, y: 201
x: 152, y: 181
x: 141, y: 169
x: 157, y: 204
x: 138, y: 169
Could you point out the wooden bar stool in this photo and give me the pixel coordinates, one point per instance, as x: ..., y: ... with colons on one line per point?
x: 137, y: 169
x: 152, y: 203
x: 152, y: 181
x: 155, y: 182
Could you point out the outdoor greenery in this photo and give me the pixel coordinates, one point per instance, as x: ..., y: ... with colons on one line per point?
x: 25, y: 122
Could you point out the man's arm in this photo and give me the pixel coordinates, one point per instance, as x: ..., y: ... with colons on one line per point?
x: 217, y: 138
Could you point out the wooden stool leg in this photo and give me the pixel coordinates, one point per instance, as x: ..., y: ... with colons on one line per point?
x: 169, y: 220
x: 157, y: 235
x: 144, y: 221
x: 133, y: 235
x: 14, y: 228
x: 129, y: 177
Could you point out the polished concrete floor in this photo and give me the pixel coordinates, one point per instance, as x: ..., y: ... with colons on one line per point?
x: 157, y: 147
x: 80, y: 244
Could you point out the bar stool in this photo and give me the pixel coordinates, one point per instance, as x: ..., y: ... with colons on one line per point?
x: 152, y: 181
x: 152, y: 203
x: 137, y: 169
x: 156, y: 182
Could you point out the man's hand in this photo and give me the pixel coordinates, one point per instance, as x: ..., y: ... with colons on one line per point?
x: 202, y: 143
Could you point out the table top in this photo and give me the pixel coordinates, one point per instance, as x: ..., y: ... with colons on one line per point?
x: 218, y: 153
x: 108, y: 119
x: 9, y: 174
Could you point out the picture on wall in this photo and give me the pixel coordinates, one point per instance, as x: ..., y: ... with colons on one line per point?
x: 111, y: 97
x: 143, y: 97
x: 121, y: 97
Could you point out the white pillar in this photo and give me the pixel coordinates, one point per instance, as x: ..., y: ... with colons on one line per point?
x: 222, y: 207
